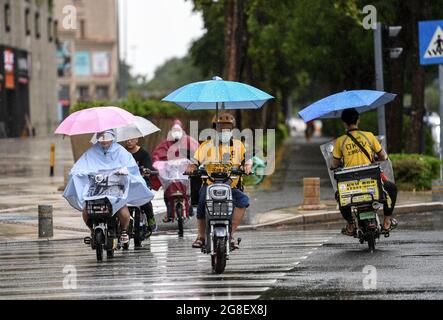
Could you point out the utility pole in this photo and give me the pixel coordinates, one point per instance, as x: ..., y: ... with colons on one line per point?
x: 379, y: 80
x: 440, y: 77
x: 381, y: 33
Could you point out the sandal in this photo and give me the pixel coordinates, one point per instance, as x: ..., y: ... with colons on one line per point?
x: 198, y: 243
x: 394, y: 224
x: 166, y: 219
x: 345, y: 231
x: 234, y: 245
x: 124, y: 237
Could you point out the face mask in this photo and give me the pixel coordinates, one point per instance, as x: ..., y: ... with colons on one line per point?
x: 176, y: 135
x: 225, y: 136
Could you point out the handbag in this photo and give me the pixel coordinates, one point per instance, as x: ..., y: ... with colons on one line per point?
x: 365, y: 152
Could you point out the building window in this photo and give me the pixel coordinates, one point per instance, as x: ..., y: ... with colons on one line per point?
x: 82, y: 28
x: 63, y: 94
x: 28, y: 21
x: 50, y: 30
x: 102, y: 92
x: 7, y: 17
x: 55, y: 32
x: 83, y: 94
x: 37, y: 25
x: 51, y: 7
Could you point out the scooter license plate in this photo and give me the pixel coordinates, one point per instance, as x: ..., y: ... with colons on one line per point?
x: 367, y: 215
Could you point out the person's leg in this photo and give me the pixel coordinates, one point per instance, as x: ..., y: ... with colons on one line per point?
x: 237, y: 217
x: 201, y: 218
x: 168, y: 214
x: 85, y: 219
x: 241, y: 202
x: 148, y: 210
x: 124, y: 218
x: 347, y: 215
x: 391, y: 189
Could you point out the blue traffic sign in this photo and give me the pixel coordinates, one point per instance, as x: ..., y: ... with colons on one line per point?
x: 430, y: 35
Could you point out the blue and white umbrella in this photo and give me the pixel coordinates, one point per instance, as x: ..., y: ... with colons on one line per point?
x: 217, y: 93
x: 333, y: 106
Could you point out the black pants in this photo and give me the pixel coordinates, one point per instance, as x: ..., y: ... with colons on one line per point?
x: 196, y: 183
x: 391, y: 189
x: 148, y: 210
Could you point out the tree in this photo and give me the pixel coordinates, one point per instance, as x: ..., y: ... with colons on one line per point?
x: 419, y: 10
x: 174, y: 73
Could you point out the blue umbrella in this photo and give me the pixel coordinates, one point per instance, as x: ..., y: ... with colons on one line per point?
x: 332, y: 106
x: 217, y: 93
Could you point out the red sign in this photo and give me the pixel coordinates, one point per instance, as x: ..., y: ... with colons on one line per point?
x: 8, y: 56
x: 9, y: 61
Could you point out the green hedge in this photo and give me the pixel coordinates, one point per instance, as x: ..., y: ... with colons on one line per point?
x: 415, y: 171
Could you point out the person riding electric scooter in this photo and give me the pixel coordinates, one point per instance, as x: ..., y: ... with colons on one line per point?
x: 107, y: 154
x: 143, y: 159
x: 357, y: 148
x: 178, y: 145
x: 207, y: 155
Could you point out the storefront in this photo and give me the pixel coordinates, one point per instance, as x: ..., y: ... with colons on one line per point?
x: 14, y: 92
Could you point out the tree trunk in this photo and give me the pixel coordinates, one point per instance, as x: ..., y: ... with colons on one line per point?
x: 285, y: 103
x: 417, y: 10
x: 235, y: 39
x: 235, y: 44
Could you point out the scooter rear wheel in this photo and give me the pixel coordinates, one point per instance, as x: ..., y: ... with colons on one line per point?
x: 99, y: 239
x: 371, y: 241
x: 109, y: 254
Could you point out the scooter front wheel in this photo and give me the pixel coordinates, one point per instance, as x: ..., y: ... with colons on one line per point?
x: 179, y: 213
x: 219, y: 258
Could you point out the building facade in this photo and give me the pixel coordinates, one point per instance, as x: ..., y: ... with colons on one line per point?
x: 28, y: 74
x: 88, y: 51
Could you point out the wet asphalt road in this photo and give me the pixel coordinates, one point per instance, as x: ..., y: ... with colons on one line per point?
x: 166, y: 268
x: 408, y: 265
x: 286, y: 262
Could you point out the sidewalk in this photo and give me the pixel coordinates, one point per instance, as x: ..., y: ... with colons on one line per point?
x: 407, y: 202
x: 25, y: 183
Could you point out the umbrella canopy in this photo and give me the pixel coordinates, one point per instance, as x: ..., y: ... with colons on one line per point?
x: 140, y: 128
x: 332, y: 106
x: 217, y: 93
x: 94, y: 120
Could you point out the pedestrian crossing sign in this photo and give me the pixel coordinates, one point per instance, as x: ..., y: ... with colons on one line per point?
x: 431, y: 42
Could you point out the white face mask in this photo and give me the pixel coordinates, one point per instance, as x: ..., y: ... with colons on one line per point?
x: 225, y: 136
x: 176, y: 135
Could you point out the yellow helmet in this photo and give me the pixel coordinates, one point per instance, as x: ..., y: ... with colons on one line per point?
x: 223, y: 117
